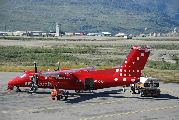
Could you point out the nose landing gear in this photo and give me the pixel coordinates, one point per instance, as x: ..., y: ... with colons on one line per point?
x: 18, y: 90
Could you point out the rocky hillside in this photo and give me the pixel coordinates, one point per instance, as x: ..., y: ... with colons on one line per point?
x: 129, y: 16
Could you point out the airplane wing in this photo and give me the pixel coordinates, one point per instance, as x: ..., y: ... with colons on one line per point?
x: 54, y: 73
x: 79, y: 70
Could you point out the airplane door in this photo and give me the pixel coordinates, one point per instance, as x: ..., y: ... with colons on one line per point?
x: 88, y: 84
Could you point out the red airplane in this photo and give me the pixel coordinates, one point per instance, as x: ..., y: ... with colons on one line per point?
x: 127, y: 73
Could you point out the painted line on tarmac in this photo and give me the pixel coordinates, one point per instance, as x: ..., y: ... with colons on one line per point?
x: 71, y: 106
x: 4, y: 111
x: 172, y: 107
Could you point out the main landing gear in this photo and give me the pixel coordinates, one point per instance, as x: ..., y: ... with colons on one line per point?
x: 124, y: 89
x: 77, y: 91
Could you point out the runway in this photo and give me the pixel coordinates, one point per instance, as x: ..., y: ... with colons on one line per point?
x: 103, y: 104
x: 115, y: 41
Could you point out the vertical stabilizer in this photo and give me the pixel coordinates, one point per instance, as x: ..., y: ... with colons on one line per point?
x: 134, y: 63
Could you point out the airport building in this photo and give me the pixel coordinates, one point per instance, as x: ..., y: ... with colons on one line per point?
x: 58, y: 29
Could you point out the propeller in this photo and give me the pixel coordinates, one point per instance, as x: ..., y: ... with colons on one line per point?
x: 34, y: 80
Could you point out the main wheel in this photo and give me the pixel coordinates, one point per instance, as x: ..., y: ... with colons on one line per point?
x: 66, y: 97
x: 58, y: 98
x: 77, y: 91
x: 61, y: 97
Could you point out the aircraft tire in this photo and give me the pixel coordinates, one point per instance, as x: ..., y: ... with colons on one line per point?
x: 58, y: 98
x: 61, y: 97
x: 77, y: 91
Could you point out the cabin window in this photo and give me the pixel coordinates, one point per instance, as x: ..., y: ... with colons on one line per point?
x: 22, y: 75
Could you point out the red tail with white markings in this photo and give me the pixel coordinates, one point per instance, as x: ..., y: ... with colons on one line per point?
x: 134, y: 63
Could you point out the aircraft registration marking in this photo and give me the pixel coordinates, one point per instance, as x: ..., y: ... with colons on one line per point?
x: 99, y: 81
x: 39, y: 84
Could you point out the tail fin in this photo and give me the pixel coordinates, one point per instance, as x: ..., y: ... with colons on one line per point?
x: 134, y: 63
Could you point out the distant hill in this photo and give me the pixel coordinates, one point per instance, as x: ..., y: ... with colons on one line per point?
x: 128, y: 16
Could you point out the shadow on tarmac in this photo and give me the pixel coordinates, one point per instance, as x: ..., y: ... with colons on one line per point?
x: 25, y: 91
x: 79, y: 97
x: 161, y: 97
x: 83, y: 96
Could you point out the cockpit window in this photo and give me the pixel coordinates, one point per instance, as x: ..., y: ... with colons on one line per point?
x: 22, y: 75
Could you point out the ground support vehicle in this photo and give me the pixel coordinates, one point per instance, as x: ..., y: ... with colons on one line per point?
x: 59, y: 94
x: 147, y: 87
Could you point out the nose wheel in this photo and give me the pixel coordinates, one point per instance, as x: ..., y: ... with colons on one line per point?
x: 18, y: 90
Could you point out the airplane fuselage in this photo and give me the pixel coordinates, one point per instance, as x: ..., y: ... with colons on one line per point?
x: 72, y: 82
x: 129, y: 72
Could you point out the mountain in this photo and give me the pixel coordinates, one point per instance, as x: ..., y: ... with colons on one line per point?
x: 128, y: 16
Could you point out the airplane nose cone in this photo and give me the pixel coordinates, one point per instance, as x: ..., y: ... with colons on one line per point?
x: 11, y: 84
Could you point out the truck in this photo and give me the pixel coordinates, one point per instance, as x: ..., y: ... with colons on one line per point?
x: 147, y: 87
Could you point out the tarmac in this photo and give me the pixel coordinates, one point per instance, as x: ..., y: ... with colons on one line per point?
x: 104, y: 104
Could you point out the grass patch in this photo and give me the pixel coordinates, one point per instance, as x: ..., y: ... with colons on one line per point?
x: 21, y: 58
x: 176, y: 80
x: 162, y: 75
